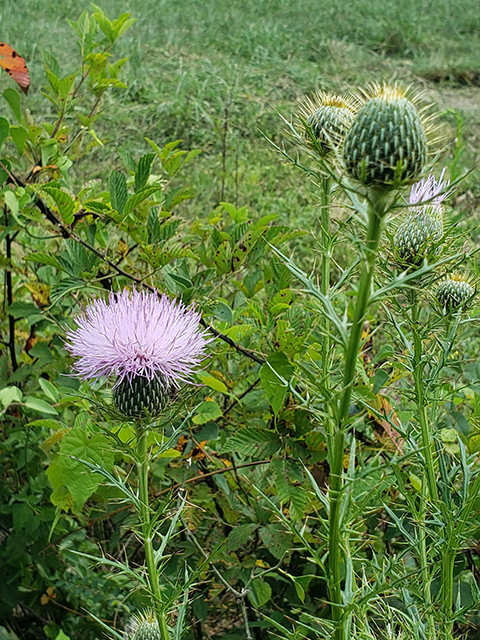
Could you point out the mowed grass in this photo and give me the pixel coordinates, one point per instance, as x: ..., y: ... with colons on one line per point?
x: 212, y: 73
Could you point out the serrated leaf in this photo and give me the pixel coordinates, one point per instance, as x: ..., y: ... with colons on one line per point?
x: 39, y: 405
x: 67, y: 472
x: 208, y: 410
x: 276, y: 539
x: 239, y: 535
x: 142, y: 171
x: 45, y: 258
x: 139, y: 197
x: 63, y: 202
x: 253, y: 442
x: 118, y: 191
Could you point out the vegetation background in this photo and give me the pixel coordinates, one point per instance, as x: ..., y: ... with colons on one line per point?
x: 210, y: 74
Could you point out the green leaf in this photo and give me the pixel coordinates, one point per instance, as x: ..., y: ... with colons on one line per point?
x: 45, y: 258
x: 9, y: 395
x: 274, y: 376
x: 213, y: 383
x: 237, y: 215
x: 139, y: 197
x: 4, y: 130
x: 13, y: 98
x: 253, y: 442
x: 72, y: 474
x: 39, y: 405
x: 63, y: 202
x: 261, y: 593
x: 49, y: 389
x: 223, y: 312
x: 208, y: 410
x: 19, y: 135
x: 277, y: 540
x: 142, y: 171
x: 62, y: 636
x: 239, y: 535
x: 118, y: 191
x: 22, y: 309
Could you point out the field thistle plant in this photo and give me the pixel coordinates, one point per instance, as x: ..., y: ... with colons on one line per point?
x: 454, y: 291
x: 328, y: 116
x: 386, y: 144
x: 418, y: 234
x: 150, y: 344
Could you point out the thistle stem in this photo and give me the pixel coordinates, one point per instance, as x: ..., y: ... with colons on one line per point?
x: 325, y: 244
x: 425, y: 428
x: 144, y: 513
x: 376, y: 214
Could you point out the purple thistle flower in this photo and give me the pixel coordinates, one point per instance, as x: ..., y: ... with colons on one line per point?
x: 430, y: 190
x: 137, y: 335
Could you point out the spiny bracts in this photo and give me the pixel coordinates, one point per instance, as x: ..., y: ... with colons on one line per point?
x: 329, y: 116
x: 417, y: 236
x: 454, y: 292
x: 143, y: 626
x: 386, y: 144
x: 141, y: 397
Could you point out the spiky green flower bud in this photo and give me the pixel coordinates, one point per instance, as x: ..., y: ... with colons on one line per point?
x: 386, y: 144
x: 140, y: 396
x: 329, y: 117
x: 417, y: 236
x: 143, y: 626
x: 454, y: 292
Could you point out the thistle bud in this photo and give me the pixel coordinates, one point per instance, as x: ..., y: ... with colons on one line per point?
x: 454, y: 292
x: 140, y: 396
x: 417, y: 236
x: 143, y: 627
x: 386, y: 144
x: 329, y: 117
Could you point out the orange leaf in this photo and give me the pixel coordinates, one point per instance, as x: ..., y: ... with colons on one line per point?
x: 15, y: 66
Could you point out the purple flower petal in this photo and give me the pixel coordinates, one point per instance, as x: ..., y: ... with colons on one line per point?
x: 137, y: 333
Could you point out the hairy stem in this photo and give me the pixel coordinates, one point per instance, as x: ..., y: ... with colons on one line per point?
x: 147, y: 534
x: 335, y: 544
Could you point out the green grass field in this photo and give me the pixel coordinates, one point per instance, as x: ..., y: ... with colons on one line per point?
x: 212, y: 73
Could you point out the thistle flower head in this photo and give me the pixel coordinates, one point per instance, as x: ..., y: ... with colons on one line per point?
x: 328, y: 116
x: 386, y: 144
x: 431, y: 190
x: 417, y: 236
x: 150, y: 344
x: 455, y: 291
x: 143, y: 626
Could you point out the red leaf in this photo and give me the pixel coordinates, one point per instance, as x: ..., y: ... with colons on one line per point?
x: 15, y: 66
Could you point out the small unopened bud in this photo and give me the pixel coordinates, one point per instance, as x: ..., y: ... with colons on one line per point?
x: 329, y: 117
x: 417, y: 236
x: 143, y: 626
x: 454, y: 292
